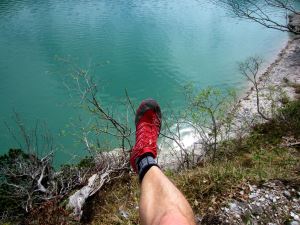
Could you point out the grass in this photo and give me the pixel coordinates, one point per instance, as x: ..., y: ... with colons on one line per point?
x: 263, y: 155
x: 255, y: 159
x: 120, y: 197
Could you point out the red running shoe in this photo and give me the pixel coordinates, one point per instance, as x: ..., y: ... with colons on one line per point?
x: 148, y: 124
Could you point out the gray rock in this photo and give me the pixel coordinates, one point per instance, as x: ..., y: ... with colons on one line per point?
x: 295, y: 216
x: 257, y: 210
x: 262, y: 199
x: 234, y: 207
x: 295, y: 223
x: 198, y: 219
x: 287, y: 194
x: 253, y: 195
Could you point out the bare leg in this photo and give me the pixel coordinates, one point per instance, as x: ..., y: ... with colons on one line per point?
x: 161, y: 202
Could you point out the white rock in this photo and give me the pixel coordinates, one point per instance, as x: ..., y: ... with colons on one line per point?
x: 123, y: 213
x: 287, y: 194
x: 295, y: 223
x: 295, y: 216
x: 253, y: 195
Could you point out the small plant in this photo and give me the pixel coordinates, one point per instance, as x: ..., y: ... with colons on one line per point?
x: 209, y: 111
x: 250, y: 69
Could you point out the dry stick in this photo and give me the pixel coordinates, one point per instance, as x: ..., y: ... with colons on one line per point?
x: 292, y: 144
x: 13, y: 134
x: 130, y: 102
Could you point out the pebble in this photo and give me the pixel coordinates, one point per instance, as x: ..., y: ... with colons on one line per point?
x: 257, y: 210
x: 234, y: 207
x: 295, y: 223
x: 252, y: 187
x: 253, y: 195
x: 262, y: 199
x: 261, y: 203
x: 287, y: 194
x: 123, y: 213
x: 237, y: 216
x: 295, y: 216
x: 198, y: 218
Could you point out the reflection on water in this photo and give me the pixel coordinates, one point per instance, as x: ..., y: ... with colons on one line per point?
x: 148, y: 47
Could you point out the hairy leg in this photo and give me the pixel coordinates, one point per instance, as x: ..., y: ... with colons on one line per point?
x: 161, y: 202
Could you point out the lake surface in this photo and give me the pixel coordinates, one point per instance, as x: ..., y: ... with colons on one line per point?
x: 149, y: 47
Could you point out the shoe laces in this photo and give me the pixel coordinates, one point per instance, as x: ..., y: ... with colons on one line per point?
x: 147, y: 134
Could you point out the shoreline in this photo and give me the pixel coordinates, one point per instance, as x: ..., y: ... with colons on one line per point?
x: 266, y: 65
x: 283, y: 71
x: 283, y: 68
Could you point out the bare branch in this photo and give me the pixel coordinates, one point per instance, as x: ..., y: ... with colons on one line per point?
x: 263, y: 12
x: 250, y: 69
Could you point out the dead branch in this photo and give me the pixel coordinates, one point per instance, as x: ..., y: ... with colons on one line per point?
x: 263, y: 12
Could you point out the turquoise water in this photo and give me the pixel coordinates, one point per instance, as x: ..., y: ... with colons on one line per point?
x: 149, y: 47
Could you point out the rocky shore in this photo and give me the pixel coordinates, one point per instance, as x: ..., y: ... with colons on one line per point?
x: 277, y: 83
x: 281, y: 79
x: 273, y: 202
